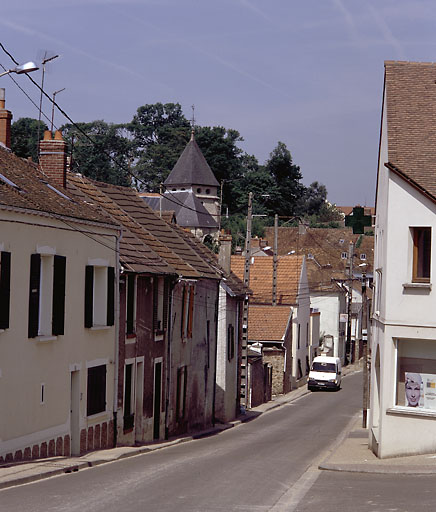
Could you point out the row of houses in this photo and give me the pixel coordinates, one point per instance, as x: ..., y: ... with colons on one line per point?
x: 116, y: 326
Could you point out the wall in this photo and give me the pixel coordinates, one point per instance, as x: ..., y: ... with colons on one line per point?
x: 32, y: 425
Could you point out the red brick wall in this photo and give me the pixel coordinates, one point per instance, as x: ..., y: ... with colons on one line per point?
x: 53, y: 158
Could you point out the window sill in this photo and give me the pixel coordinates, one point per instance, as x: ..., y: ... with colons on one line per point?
x: 97, y: 415
x: 100, y: 327
x: 417, y: 286
x: 45, y: 338
x: 130, y: 340
x: 158, y: 337
x: 411, y: 411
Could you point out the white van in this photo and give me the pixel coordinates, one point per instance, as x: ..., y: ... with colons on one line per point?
x: 325, y: 372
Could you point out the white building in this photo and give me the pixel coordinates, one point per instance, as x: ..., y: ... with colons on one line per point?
x: 402, y: 419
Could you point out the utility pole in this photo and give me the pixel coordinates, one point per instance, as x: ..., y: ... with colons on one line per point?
x: 348, y: 348
x: 244, y: 347
x: 365, y: 351
x: 275, y: 260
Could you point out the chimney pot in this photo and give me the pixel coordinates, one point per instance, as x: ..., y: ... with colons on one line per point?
x: 47, y: 135
x: 58, y: 135
x: 5, y: 121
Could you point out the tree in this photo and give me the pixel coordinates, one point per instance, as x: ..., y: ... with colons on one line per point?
x: 285, y: 196
x: 24, y: 137
x: 159, y: 134
x: 313, y: 199
x: 100, y: 151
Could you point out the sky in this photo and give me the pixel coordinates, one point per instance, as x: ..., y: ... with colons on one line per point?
x: 307, y: 73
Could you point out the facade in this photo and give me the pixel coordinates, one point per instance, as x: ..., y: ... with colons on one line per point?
x: 58, y: 332
x: 403, y: 324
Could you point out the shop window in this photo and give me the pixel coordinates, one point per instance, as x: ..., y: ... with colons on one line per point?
x: 421, y: 254
x: 416, y: 374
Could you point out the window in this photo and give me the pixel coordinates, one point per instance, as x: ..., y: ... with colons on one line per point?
x: 310, y: 256
x: 344, y: 255
x: 181, y: 392
x: 230, y: 342
x: 307, y: 334
x: 298, y: 338
x: 341, y: 241
x: 416, y: 374
x: 5, y: 288
x: 363, y: 256
x: 96, y: 391
x: 160, y: 307
x: 131, y: 305
x: 421, y: 255
x: 208, y: 191
x: 198, y: 190
x: 46, y: 295
x: 187, y: 310
x: 99, y: 295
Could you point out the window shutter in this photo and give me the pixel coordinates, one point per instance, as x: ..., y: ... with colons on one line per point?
x: 5, y: 289
x: 190, y: 311
x: 58, y: 318
x: 182, y: 329
x: 165, y: 303
x: 110, y: 296
x: 89, y: 295
x: 34, y: 286
x: 130, y: 303
x: 155, y: 302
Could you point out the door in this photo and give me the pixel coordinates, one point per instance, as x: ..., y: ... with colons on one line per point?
x: 139, y: 400
x: 74, y: 413
x: 157, y: 398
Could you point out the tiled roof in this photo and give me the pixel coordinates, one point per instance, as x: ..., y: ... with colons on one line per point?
x: 135, y: 252
x: 31, y: 191
x: 163, y: 238
x: 261, y: 277
x: 267, y: 323
x: 411, y: 120
x: 325, y: 247
x: 189, y: 210
x: 191, y: 168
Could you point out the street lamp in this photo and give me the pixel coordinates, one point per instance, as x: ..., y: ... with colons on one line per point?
x: 28, y: 67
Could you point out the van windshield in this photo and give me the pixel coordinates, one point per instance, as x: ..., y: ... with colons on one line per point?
x: 324, y: 367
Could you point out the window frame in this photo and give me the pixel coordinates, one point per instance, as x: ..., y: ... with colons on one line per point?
x: 421, y: 259
x: 96, y: 286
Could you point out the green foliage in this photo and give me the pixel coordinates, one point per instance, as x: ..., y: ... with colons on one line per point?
x: 106, y: 157
x: 24, y: 137
x: 159, y: 134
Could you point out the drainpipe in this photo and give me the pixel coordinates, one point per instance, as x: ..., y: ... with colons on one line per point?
x: 168, y: 358
x: 117, y: 329
x: 215, y: 354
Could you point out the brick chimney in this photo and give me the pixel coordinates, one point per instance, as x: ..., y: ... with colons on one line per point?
x: 5, y: 121
x: 53, y: 158
x: 225, y: 253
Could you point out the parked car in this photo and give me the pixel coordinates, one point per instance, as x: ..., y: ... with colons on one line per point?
x: 325, y: 373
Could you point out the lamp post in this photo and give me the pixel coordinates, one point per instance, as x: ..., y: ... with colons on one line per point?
x: 28, y: 67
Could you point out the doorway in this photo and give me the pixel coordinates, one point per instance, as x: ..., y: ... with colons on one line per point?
x: 75, y: 412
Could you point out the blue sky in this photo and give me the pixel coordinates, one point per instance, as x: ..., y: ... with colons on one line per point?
x: 307, y: 73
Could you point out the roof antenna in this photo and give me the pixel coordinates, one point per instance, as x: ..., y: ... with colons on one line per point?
x: 193, y: 122
x: 45, y: 59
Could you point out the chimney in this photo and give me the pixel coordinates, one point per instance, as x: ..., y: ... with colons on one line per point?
x: 225, y: 253
x: 5, y: 121
x: 53, y: 158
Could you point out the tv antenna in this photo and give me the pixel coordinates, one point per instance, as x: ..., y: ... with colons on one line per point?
x: 45, y: 60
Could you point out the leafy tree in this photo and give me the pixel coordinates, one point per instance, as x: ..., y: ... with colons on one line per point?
x: 103, y: 154
x: 24, y: 137
x: 314, y: 198
x: 159, y: 134
x: 285, y: 196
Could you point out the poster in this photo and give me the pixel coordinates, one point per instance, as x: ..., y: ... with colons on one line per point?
x: 420, y: 390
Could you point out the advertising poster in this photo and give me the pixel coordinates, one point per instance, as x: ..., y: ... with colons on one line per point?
x: 420, y: 390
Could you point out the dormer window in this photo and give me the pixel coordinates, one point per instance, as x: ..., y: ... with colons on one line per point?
x: 208, y: 191
x: 310, y: 256
x: 198, y: 190
x: 344, y: 255
x: 341, y: 241
x: 363, y: 256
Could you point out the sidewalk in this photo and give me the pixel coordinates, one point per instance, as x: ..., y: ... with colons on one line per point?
x: 353, y: 454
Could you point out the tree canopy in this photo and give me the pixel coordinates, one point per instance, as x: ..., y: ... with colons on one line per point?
x: 24, y: 137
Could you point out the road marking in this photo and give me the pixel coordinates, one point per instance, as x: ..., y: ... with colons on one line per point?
x: 295, y: 494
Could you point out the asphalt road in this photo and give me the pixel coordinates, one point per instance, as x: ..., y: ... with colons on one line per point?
x: 266, y: 464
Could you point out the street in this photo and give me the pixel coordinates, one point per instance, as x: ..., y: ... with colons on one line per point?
x: 269, y: 463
